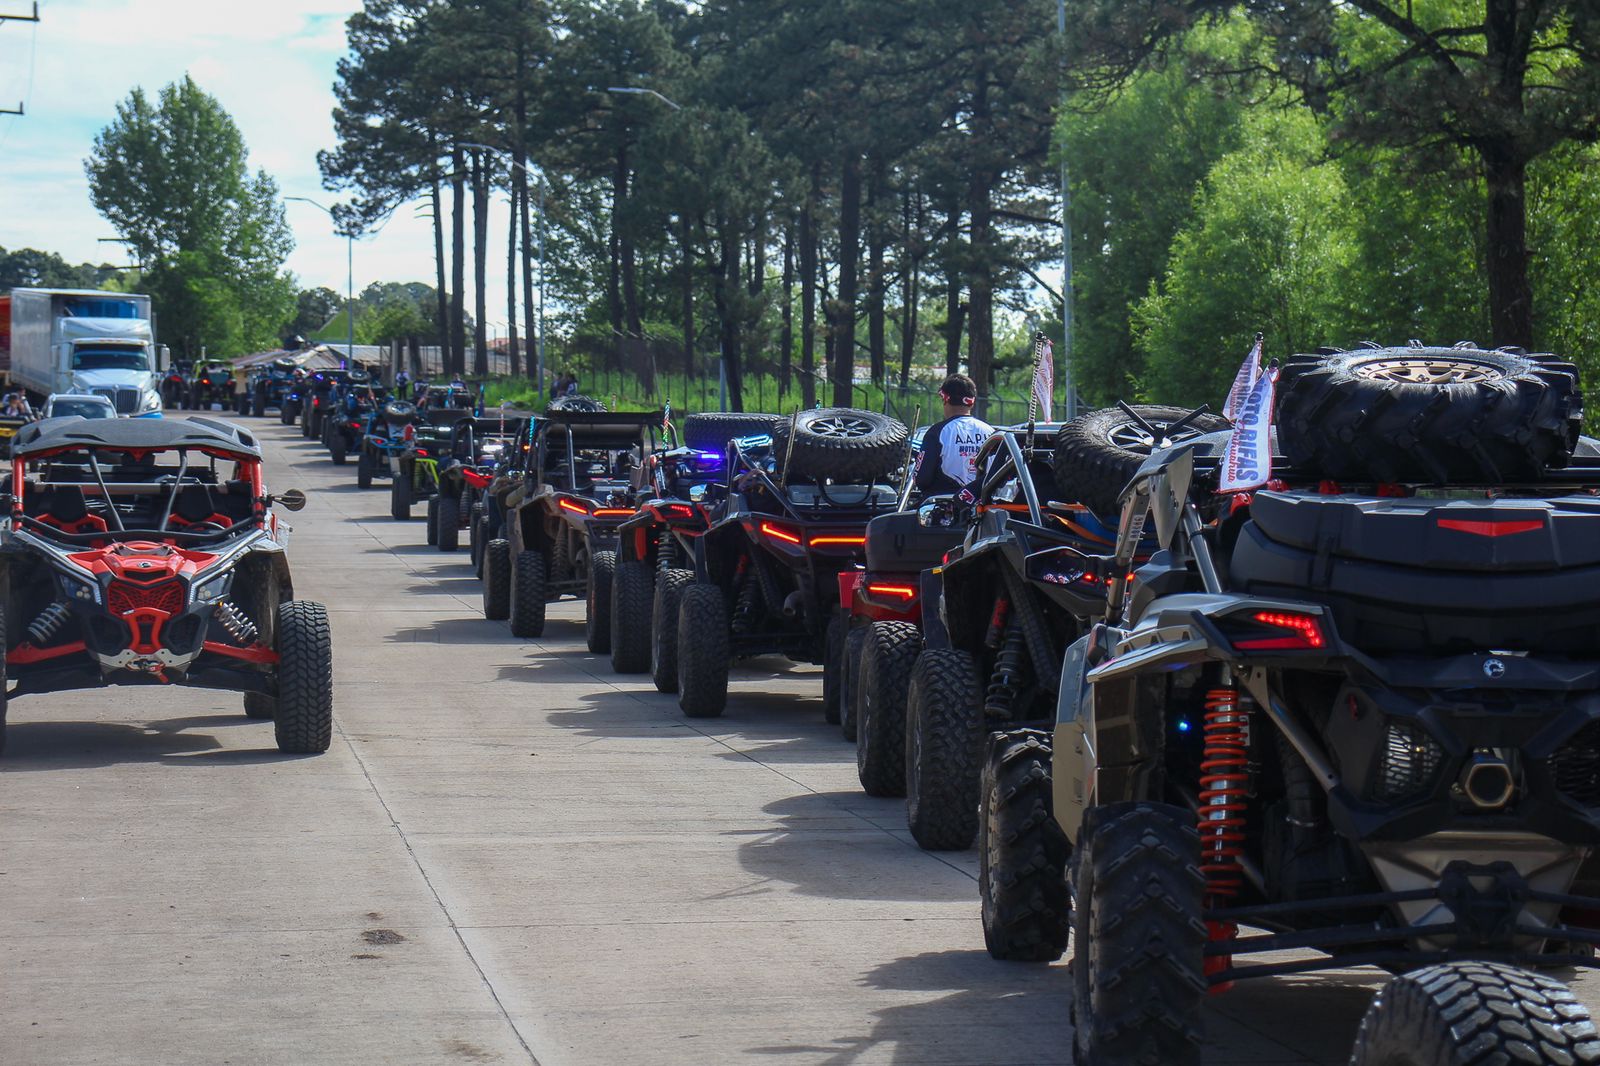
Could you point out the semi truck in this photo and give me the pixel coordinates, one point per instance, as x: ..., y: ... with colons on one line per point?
x: 79, y: 340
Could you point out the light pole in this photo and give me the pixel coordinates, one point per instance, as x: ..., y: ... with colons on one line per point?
x: 1066, y: 252
x: 722, y: 353
x: 539, y: 330
x: 350, y: 280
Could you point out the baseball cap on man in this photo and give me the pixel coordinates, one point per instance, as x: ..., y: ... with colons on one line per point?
x: 958, y: 389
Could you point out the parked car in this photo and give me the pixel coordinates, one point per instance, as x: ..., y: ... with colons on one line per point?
x: 146, y: 552
x: 78, y: 405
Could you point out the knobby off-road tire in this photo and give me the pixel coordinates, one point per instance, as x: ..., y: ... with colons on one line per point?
x: 474, y: 538
x: 633, y: 593
x: 259, y: 705
x: 841, y: 443
x: 576, y: 403
x: 400, y: 498
x: 304, y: 718
x: 703, y: 656
x: 3, y: 683
x: 497, y: 580
x: 449, y: 523
x: 530, y: 575
x: 887, y: 658
x: 364, y: 465
x: 480, y: 530
x: 336, y: 447
x: 664, y: 628
x: 712, y: 430
x: 433, y: 521
x: 597, y: 593
x: 1022, y: 852
x: 944, y: 728
x: 1437, y: 415
x: 855, y: 638
x: 1097, y: 454
x: 1472, y: 1013
x: 833, y: 645
x: 1138, y: 937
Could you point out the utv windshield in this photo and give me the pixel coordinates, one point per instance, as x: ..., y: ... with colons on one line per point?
x: 89, y: 358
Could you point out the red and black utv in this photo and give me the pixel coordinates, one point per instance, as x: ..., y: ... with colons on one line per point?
x: 145, y: 552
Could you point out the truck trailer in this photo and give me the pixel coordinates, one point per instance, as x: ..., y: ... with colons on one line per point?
x: 79, y: 340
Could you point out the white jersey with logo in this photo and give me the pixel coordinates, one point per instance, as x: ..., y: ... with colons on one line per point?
x: 949, y: 457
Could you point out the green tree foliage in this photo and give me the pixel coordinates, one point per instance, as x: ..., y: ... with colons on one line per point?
x: 171, y: 175
x: 1269, y: 248
x: 31, y: 268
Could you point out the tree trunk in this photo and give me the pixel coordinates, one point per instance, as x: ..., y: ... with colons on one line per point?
x: 808, y: 300
x: 632, y: 345
x: 844, y: 301
x: 456, y: 362
x: 980, y: 290
x: 441, y: 302
x: 786, y: 345
x: 480, y: 264
x: 875, y: 286
x: 1510, y: 292
x: 515, y: 347
x: 524, y: 197
x: 727, y: 290
x: 688, y: 296
x: 908, y: 287
x: 955, y: 312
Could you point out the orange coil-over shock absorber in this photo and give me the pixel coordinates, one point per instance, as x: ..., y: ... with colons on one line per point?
x: 1224, y: 797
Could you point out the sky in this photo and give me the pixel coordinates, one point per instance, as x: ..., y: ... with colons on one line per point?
x: 271, y: 63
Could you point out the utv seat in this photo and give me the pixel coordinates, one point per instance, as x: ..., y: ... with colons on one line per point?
x: 898, y: 543
x: 63, y: 508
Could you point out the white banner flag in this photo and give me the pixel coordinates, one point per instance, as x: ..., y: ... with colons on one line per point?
x: 1244, y: 381
x: 1248, y: 462
x: 1044, y: 381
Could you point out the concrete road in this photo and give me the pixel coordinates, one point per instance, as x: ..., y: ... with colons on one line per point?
x: 509, y: 855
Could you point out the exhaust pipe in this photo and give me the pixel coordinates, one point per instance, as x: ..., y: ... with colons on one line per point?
x: 1487, y: 781
x: 792, y: 604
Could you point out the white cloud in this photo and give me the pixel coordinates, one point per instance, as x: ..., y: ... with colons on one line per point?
x: 271, y: 64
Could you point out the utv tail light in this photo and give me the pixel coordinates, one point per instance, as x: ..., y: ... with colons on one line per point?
x: 613, y: 512
x: 574, y: 506
x: 826, y: 540
x: 905, y: 592
x: 1295, y: 632
x: 777, y: 532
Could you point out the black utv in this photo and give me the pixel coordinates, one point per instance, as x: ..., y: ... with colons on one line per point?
x: 767, y: 571
x: 1351, y: 718
x: 1010, y: 598
x: 559, y: 527
x: 476, y: 449
x: 683, y: 489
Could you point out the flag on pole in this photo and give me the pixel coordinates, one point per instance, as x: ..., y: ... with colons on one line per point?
x: 1042, y: 397
x: 1244, y: 382
x: 1247, y: 464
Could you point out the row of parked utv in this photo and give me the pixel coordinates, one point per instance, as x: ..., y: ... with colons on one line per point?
x: 1347, y: 716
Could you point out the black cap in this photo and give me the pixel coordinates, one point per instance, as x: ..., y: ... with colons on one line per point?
x: 959, y: 390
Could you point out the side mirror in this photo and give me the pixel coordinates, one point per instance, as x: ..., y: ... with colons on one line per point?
x: 292, y: 500
x: 699, y: 493
x: 937, y: 513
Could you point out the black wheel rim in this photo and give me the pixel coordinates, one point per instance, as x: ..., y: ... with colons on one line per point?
x: 1130, y: 436
x: 841, y: 427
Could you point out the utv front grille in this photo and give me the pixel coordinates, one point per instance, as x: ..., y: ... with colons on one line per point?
x: 123, y: 597
x: 1575, y: 766
x: 1407, y: 765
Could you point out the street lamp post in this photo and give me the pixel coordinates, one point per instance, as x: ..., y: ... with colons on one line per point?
x: 350, y: 280
x: 539, y: 330
x: 722, y: 353
x: 1066, y: 254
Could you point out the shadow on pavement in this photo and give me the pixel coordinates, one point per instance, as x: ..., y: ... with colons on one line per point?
x: 58, y: 745
x: 823, y: 848
x: 456, y: 631
x: 1022, y: 1007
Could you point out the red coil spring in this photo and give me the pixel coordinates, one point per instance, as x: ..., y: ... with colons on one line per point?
x: 1224, y: 792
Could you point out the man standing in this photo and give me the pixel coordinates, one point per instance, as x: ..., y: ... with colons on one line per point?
x: 949, y: 459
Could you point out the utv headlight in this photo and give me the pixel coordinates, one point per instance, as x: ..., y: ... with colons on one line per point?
x: 152, y: 402
x: 213, y: 589
x: 79, y: 588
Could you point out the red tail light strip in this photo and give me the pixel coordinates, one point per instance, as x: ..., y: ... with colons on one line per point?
x: 1491, y: 529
